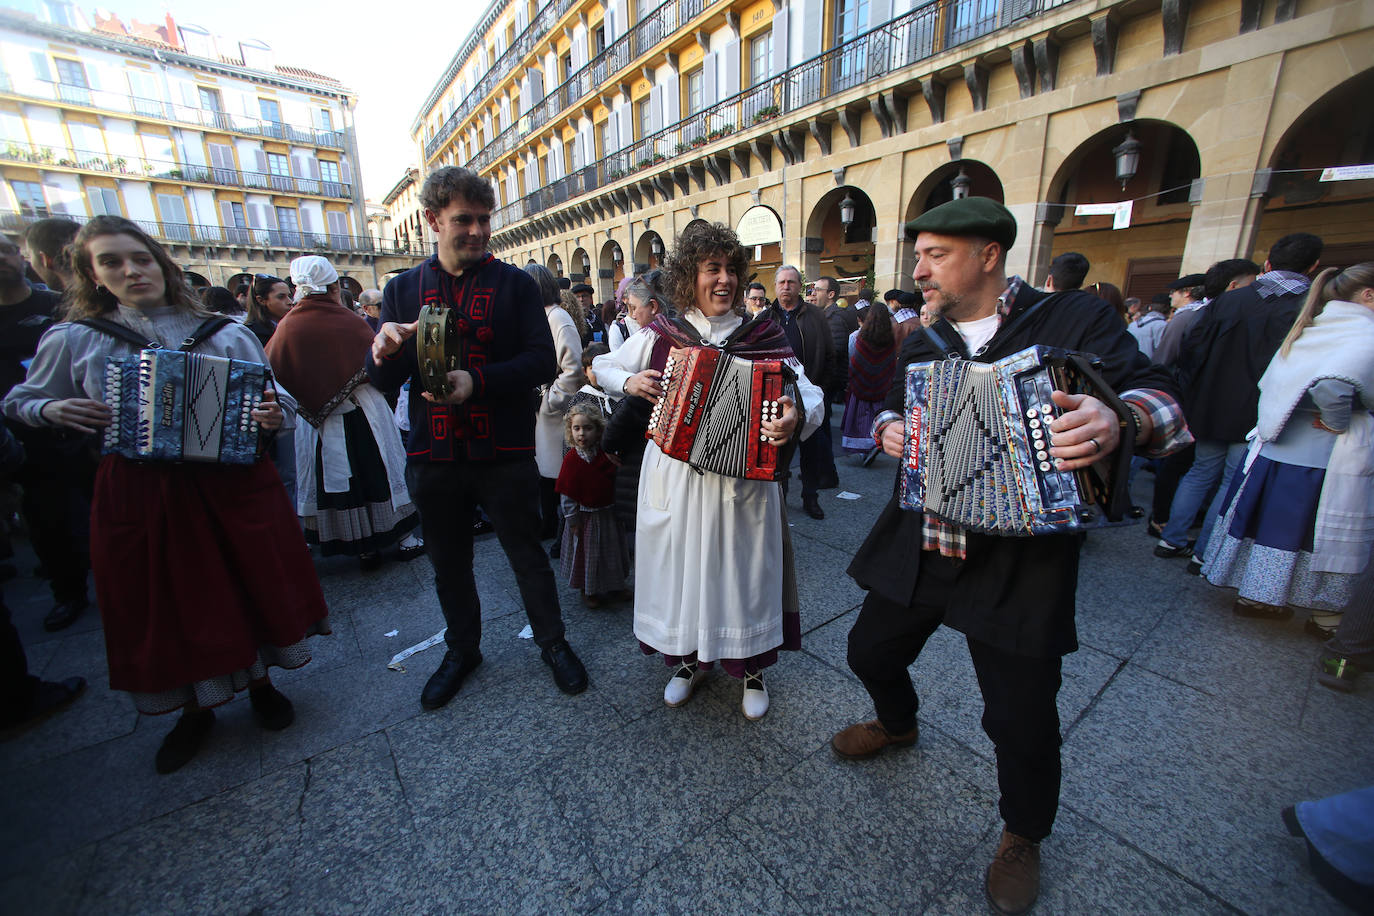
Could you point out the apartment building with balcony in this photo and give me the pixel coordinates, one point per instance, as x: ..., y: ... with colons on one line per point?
x: 1154, y: 136
x: 236, y: 162
x: 405, y: 225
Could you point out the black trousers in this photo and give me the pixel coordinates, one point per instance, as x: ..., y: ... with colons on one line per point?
x: 1019, y: 711
x: 16, y: 684
x: 57, y: 508
x: 446, y: 493
x: 816, y: 455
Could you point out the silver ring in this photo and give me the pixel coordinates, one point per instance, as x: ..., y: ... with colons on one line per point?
x: 1097, y: 446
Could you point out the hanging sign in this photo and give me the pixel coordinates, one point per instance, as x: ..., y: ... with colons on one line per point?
x: 759, y: 226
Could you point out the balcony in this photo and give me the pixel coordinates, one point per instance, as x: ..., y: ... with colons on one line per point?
x: 137, y: 106
x: 138, y: 167
x: 902, y: 42
x: 200, y: 234
x: 524, y: 43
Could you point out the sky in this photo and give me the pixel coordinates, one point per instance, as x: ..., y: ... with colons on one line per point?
x: 389, y: 53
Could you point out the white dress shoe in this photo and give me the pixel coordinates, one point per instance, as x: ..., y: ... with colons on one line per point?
x: 755, y: 701
x: 681, y: 685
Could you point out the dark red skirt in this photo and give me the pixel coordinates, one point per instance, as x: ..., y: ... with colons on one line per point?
x: 196, y: 567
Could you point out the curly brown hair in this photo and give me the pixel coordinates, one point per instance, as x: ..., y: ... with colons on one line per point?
x: 698, y: 242
x: 87, y: 299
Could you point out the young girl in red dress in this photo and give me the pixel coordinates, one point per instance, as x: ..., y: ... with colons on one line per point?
x: 202, y: 572
x: 595, y: 559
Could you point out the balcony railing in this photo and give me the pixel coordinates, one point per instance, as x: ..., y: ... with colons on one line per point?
x: 914, y: 36
x: 201, y: 234
x: 525, y: 42
x: 139, y: 167
x: 170, y: 111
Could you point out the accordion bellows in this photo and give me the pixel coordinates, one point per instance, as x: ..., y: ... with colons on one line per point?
x: 977, y: 440
x: 170, y: 405
x: 712, y: 412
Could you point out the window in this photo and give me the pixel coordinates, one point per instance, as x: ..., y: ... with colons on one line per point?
x: 174, y: 222
x: 695, y: 80
x: 209, y: 98
x: 279, y: 167
x: 289, y: 227
x: 329, y: 174
x: 608, y: 144
x: 238, y: 231
x: 104, y: 201
x: 599, y: 40
x: 646, y: 117
x: 567, y: 66
x: 760, y: 58
x: 222, y: 169
x: 71, y: 78
x: 271, y: 113
x: 324, y: 120
x: 851, y: 19
x: 29, y: 194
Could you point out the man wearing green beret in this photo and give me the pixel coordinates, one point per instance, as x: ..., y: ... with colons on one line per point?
x: 1012, y: 598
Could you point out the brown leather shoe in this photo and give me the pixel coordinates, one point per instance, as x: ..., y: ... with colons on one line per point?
x: 1013, y: 879
x: 865, y: 739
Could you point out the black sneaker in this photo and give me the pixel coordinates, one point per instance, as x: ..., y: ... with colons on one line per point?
x: 568, y: 672
x: 1194, y: 566
x: 1168, y: 551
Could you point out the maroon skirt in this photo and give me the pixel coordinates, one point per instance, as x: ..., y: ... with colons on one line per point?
x: 197, y: 567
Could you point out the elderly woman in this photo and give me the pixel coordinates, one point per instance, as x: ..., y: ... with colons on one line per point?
x: 553, y: 402
x: 643, y: 303
x: 351, y: 489
x: 720, y: 587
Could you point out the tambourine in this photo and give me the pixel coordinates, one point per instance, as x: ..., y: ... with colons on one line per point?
x: 437, y: 343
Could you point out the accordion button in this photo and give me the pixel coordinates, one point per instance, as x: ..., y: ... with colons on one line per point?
x: 1042, y: 455
x: 1045, y: 409
x: 1034, y: 424
x: 1044, y: 465
x: 1032, y: 413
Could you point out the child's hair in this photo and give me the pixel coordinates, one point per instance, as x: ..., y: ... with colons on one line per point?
x: 591, y: 352
x: 591, y: 412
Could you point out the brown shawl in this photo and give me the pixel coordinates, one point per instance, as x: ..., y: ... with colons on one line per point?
x: 318, y: 353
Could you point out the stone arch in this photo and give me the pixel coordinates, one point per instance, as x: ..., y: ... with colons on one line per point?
x: 241, y: 277
x: 582, y: 265
x: 650, y: 251
x: 832, y: 248
x: 196, y: 281
x: 937, y: 188
x: 352, y: 285
x: 611, y: 270
x: 1321, y: 138
x: 555, y: 265
x: 1147, y: 253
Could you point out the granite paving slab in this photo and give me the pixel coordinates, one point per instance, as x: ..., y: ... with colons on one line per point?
x: 229, y: 853
x: 874, y: 836
x: 399, y: 877
x: 1084, y: 869
x: 713, y: 872
x: 51, y: 888
x: 1198, y: 788
x: 636, y: 794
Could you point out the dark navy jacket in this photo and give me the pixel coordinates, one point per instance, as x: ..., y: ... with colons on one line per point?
x: 507, y: 348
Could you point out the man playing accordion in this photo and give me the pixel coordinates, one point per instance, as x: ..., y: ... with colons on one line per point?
x: 1012, y: 597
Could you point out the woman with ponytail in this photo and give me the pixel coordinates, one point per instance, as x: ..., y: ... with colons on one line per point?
x: 1298, y: 525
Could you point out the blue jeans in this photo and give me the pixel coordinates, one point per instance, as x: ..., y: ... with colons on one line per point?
x: 1212, y: 462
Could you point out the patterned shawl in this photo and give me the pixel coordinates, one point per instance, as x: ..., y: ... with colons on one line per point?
x: 871, y: 370
x: 757, y: 338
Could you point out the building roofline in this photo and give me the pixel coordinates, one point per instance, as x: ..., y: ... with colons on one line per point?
x: 406, y: 180
x: 11, y: 20
x: 485, y: 22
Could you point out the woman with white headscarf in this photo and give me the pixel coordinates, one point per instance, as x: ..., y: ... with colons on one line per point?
x: 350, y: 463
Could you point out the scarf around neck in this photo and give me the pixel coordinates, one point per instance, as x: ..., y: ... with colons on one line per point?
x: 318, y: 353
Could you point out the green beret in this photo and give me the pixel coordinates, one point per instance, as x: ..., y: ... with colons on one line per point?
x: 968, y: 216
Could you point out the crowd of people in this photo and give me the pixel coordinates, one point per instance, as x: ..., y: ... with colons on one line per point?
x: 1248, y: 387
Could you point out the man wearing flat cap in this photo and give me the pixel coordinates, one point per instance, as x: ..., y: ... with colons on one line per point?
x: 1012, y: 598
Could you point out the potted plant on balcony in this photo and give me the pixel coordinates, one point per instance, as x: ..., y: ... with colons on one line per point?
x: 766, y: 114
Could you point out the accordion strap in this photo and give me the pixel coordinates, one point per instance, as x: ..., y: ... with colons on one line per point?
x: 957, y: 350
x: 206, y: 329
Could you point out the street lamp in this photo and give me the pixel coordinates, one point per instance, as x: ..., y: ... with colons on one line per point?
x: 847, y: 210
x: 616, y: 254
x: 1127, y: 155
x: 962, y: 184
x: 586, y: 265
x: 656, y: 246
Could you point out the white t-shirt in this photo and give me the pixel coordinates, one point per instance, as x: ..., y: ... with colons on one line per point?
x: 977, y: 333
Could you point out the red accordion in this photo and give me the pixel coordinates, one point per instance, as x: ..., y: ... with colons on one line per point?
x: 713, y: 408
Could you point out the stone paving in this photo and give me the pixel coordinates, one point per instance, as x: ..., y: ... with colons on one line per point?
x: 1186, y: 730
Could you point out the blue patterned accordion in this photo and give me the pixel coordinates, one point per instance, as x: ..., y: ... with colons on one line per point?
x: 171, y: 405
x: 976, y: 450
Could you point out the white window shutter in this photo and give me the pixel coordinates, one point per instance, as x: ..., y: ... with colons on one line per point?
x: 315, y: 168
x: 226, y: 214
x: 261, y: 157
x: 307, y: 222
x: 655, y: 109
x: 345, y: 170
x: 781, y: 57
x: 708, y: 80
x: 40, y: 66
x: 730, y: 82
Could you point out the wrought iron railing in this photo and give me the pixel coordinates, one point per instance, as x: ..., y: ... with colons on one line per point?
x: 921, y: 33
x: 204, y: 234
x: 141, y: 167
x: 171, y: 111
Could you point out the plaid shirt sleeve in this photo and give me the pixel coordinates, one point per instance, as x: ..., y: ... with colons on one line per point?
x: 1170, y: 431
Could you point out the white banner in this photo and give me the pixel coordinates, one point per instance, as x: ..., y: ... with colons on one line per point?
x: 1120, y: 212
x: 1347, y: 173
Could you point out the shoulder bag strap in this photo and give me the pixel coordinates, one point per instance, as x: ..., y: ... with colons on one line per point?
x: 208, y: 328
x: 115, y: 329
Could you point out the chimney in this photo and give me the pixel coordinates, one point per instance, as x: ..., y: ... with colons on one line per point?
x: 173, y: 34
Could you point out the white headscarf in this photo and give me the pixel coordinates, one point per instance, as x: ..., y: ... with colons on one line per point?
x: 312, y: 274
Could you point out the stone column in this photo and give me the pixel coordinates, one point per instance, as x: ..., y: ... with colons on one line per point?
x: 1225, y: 222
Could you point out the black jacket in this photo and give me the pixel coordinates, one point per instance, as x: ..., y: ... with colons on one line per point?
x: 842, y: 322
x: 1015, y: 593
x: 1224, y: 355
x: 509, y: 352
x: 818, y: 348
